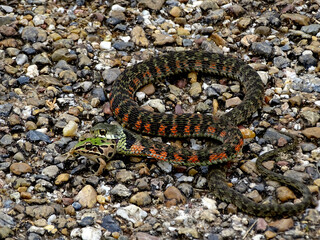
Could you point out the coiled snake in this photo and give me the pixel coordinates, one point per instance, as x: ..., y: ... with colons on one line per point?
x: 224, y: 129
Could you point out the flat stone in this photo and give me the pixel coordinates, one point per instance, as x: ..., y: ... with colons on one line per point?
x: 20, y: 168
x: 313, y: 132
x: 155, y: 5
x: 283, y: 224
x: 296, y: 18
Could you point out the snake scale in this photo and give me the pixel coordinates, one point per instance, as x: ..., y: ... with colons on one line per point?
x: 224, y: 129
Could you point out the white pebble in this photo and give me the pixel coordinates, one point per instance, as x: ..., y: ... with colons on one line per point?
x: 105, y: 45
x: 140, y: 95
x: 70, y: 129
x: 118, y: 8
x: 32, y: 71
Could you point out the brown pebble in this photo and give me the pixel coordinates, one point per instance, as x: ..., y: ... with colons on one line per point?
x: 148, y: 89
x: 20, y: 168
x: 70, y: 210
x: 270, y: 234
x: 87, y: 197
x: 283, y: 224
x: 174, y: 193
x: 313, y: 132
x: 25, y: 195
x: 285, y: 194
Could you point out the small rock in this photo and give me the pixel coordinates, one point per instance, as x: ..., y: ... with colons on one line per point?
x: 39, y: 211
x: 139, y: 37
x: 6, y: 140
x: 195, y: 89
x: 132, y: 213
x: 109, y: 223
x: 285, y: 194
x: 312, y: 117
x: 281, y: 62
x: 91, y: 233
x: 255, y: 196
x: 308, y: 61
x: 313, y: 132
x: 263, y: 30
x: 232, y: 102
x: 175, y: 11
x: 263, y: 49
x: 34, y: 136
x: 121, y: 191
x: 87, y: 197
x: 162, y: 39
x: 283, y: 224
x: 124, y: 176
x: 123, y: 46
x: 174, y: 193
x: 141, y: 199
x: 189, y: 231
x: 20, y: 168
x: 296, y: 18
x: 70, y: 130
x: 312, y: 29
x: 149, y: 89
x: 5, y: 109
x: 155, y: 5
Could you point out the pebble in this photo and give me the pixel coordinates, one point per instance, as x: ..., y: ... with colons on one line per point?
x: 141, y: 199
x: 173, y: 193
x: 313, y: 132
x: 132, y: 213
x: 91, y: 233
x: 283, y: 224
x: 285, y: 194
x: 121, y: 191
x: 20, y: 168
x: 87, y: 197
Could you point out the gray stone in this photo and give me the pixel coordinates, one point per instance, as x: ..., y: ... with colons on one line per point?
x: 281, y: 62
x: 312, y: 29
x: 263, y: 49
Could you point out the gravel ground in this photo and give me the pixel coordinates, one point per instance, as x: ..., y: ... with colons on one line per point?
x: 58, y: 60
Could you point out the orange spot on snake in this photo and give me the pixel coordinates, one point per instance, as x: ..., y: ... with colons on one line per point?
x: 177, y: 157
x: 137, y: 149
x: 125, y: 117
x: 147, y: 128
x: 158, y: 70
x: 187, y: 129
x: 116, y: 111
x: 162, y: 130
x: 223, y: 133
x: 197, y: 128
x: 174, y: 130
x: 147, y: 74
x: 239, y: 146
x: 178, y: 64
x: 198, y: 64
x: 212, y: 66
x: 193, y: 158
x: 136, y: 81
x: 138, y: 125
x: 211, y: 130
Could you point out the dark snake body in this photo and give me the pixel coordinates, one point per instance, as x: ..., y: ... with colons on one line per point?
x: 224, y: 129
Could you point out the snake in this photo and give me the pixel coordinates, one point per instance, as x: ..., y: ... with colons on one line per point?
x: 137, y: 122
